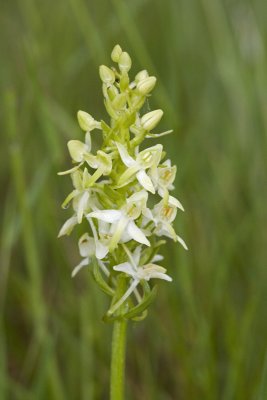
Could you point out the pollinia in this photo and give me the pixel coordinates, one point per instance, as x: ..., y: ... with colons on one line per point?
x: 122, y: 193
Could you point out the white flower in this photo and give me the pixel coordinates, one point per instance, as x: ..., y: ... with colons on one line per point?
x: 144, y: 160
x: 122, y: 222
x: 88, y: 248
x: 163, y: 177
x: 137, y: 273
x: 101, y: 243
x: 81, y: 194
x: 164, y: 214
x: 102, y: 163
x: 80, y: 153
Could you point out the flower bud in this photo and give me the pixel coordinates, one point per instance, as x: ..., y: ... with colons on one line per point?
x: 106, y: 74
x: 146, y: 85
x: 86, y: 121
x: 125, y: 62
x: 151, y: 119
x: 141, y: 75
x: 116, y: 53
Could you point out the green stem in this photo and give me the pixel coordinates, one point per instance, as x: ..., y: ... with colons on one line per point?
x: 118, y: 360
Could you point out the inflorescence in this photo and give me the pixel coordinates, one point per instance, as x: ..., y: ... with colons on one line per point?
x: 122, y: 193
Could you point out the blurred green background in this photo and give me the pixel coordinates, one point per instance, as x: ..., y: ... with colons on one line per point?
x: 206, y: 334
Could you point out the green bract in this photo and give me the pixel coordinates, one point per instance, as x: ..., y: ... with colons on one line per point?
x: 113, y: 189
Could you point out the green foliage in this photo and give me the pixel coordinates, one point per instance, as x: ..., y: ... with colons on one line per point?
x: 205, y: 337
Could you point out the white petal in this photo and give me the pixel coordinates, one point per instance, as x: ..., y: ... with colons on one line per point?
x: 103, y: 228
x: 182, y: 242
x: 110, y: 216
x: 124, y: 297
x: 154, y: 154
x: 151, y: 271
x: 86, y: 245
x: 101, y: 250
x: 77, y: 149
x: 126, y: 158
x: 175, y: 202
x: 160, y: 275
x: 140, y: 196
x: 145, y: 181
x: 82, y: 264
x: 125, y: 237
x: 155, y: 135
x: 136, y: 255
x: 82, y: 206
x: 136, y: 233
x: 69, y: 198
x: 69, y: 171
x: 68, y: 226
x: 125, y: 267
x: 119, y: 228
x: 157, y: 257
x: 148, y: 214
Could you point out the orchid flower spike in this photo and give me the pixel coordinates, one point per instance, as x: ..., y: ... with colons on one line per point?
x: 121, y: 195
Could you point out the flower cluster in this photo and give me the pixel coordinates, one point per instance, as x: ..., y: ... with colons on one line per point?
x: 121, y: 193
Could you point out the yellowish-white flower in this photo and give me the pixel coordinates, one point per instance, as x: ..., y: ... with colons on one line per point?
x: 122, y: 221
x: 163, y: 177
x: 78, y: 152
x: 164, y: 214
x: 88, y: 250
x: 102, y: 163
x: 81, y: 194
x: 138, y: 273
x: 113, y: 190
x: 137, y: 167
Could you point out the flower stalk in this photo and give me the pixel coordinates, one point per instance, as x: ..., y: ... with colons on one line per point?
x: 117, y: 370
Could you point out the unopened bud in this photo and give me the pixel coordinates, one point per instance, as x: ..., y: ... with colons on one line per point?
x: 151, y: 119
x: 141, y: 75
x: 116, y: 53
x: 146, y: 85
x: 106, y: 74
x: 125, y: 62
x: 86, y: 121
